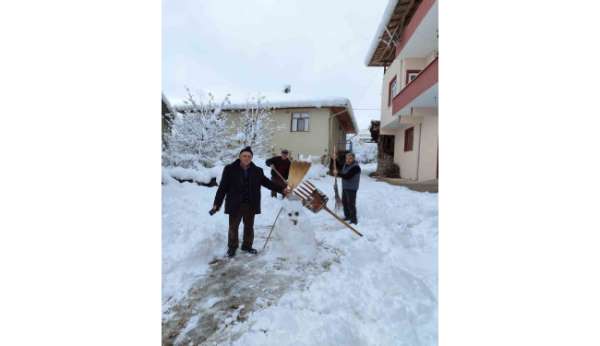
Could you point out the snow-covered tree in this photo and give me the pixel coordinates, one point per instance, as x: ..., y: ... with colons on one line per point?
x: 256, y: 127
x: 198, y: 135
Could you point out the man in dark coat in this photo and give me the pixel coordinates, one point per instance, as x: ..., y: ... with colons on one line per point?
x: 240, y: 187
x: 282, y: 165
x: 350, y: 174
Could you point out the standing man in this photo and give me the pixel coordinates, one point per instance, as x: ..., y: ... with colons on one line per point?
x: 282, y: 165
x: 240, y: 186
x: 350, y: 174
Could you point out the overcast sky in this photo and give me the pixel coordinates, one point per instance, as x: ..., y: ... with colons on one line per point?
x: 247, y: 46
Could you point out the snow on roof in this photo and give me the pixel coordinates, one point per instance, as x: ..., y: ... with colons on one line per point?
x: 296, y: 103
x: 387, y: 15
x: 281, y: 101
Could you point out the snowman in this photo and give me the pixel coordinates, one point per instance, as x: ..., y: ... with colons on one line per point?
x: 294, y: 235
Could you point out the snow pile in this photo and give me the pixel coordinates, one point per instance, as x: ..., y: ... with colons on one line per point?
x: 198, y: 175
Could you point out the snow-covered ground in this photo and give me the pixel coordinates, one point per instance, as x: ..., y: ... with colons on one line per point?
x: 316, y: 282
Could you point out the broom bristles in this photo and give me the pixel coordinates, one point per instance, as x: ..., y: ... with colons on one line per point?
x: 298, y: 170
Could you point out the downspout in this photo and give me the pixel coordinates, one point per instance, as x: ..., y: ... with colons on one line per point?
x: 331, y: 129
x: 419, y: 151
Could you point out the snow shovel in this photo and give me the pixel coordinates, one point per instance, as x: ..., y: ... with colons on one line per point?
x: 315, y: 200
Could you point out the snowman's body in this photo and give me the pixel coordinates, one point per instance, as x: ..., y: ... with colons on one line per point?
x: 294, y: 235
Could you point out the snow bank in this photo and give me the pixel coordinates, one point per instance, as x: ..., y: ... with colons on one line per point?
x: 199, y: 175
x: 190, y: 237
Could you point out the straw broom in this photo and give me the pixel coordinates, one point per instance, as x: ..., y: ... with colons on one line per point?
x: 298, y: 170
x: 338, y: 200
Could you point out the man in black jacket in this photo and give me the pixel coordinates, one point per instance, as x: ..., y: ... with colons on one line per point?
x: 240, y: 187
x: 280, y: 164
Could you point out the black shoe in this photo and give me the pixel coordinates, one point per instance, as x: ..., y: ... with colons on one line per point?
x: 354, y: 222
x: 346, y: 219
x: 231, y: 253
x: 250, y: 250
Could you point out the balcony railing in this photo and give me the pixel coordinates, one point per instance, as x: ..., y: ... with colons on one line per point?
x: 425, y: 80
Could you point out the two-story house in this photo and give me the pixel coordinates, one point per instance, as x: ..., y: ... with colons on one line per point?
x: 406, y: 46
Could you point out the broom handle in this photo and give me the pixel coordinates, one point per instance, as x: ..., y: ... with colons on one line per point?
x: 279, y: 174
x: 271, y: 231
x: 342, y: 221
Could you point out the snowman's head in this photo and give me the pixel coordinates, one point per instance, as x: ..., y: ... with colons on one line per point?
x: 293, y: 210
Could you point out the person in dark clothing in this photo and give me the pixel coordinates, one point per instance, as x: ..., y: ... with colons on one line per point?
x: 282, y: 165
x: 240, y: 187
x: 350, y: 174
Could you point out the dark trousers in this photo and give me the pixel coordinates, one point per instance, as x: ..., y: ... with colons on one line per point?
x: 277, y: 180
x: 246, y: 213
x: 349, y: 202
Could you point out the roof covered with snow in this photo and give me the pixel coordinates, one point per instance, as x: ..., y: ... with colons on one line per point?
x: 395, y: 17
x: 286, y: 101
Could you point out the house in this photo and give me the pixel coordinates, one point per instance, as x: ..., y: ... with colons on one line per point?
x: 305, y: 126
x: 406, y: 46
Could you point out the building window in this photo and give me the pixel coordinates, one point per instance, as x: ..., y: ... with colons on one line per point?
x: 411, y: 75
x: 409, y: 138
x: 392, y: 90
x: 300, y: 122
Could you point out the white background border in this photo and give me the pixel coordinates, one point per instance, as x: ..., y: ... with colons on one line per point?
x: 80, y: 183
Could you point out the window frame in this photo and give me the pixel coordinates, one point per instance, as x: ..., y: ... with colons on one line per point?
x: 391, y: 94
x: 408, y: 146
x: 305, y: 121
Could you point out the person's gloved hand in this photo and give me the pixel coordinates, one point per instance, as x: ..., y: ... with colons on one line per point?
x: 213, y: 210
